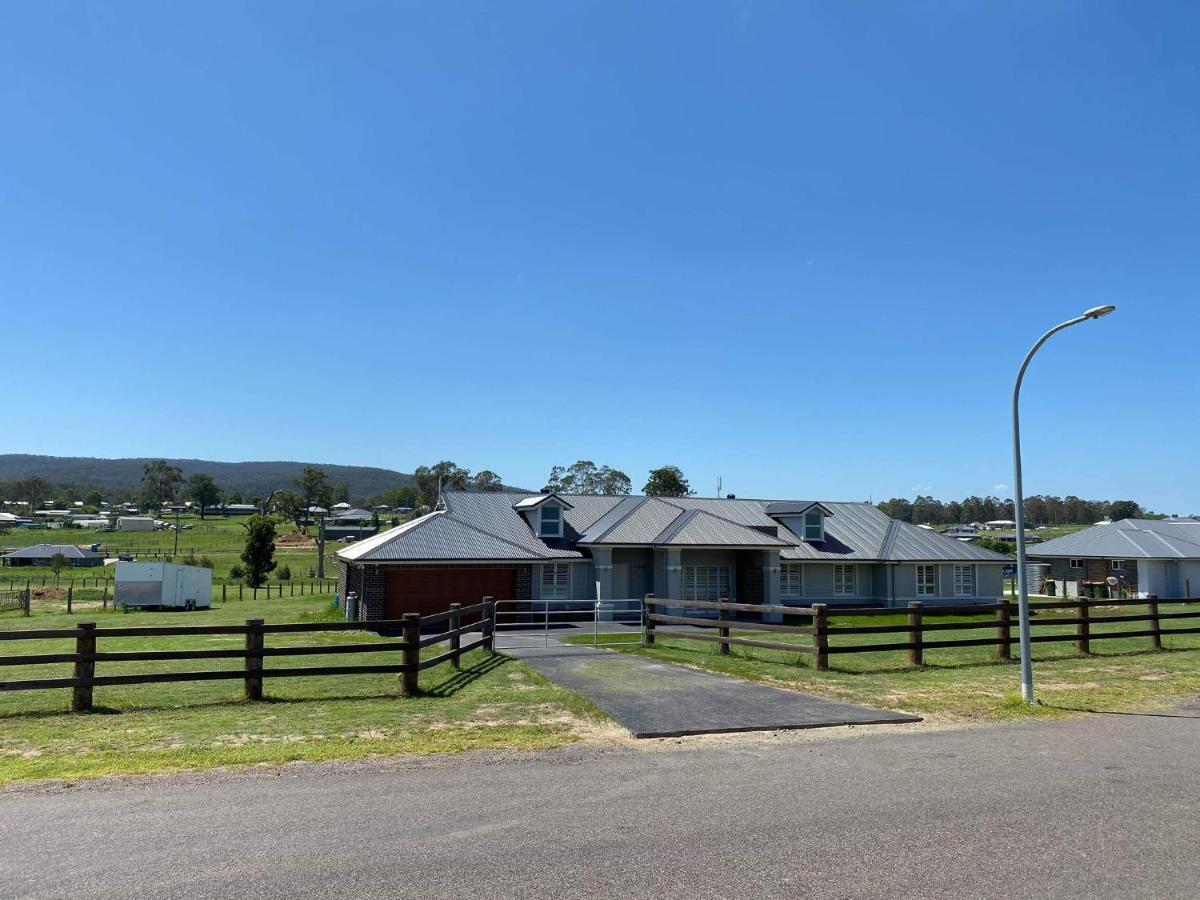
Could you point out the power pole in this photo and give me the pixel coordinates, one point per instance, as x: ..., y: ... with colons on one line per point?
x: 321, y: 547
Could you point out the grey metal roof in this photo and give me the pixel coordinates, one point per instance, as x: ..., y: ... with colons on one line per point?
x: 794, y: 507
x: 487, y: 525
x: 1128, y: 539
x: 533, y: 501
x: 45, y: 551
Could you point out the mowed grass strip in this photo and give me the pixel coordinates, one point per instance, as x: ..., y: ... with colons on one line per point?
x: 495, y: 702
x: 967, y: 683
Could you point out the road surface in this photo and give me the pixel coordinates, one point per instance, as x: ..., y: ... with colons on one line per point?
x: 1107, y: 806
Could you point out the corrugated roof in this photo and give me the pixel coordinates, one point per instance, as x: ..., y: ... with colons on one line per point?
x: 485, y: 525
x: 45, y: 551
x: 1128, y: 539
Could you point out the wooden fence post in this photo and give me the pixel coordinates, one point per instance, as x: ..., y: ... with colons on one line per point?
x: 223, y: 592
x: 85, y: 667
x: 723, y: 629
x: 647, y: 622
x: 70, y: 597
x: 239, y: 590
x: 916, y: 650
x: 412, y: 654
x: 489, y: 624
x: 254, y: 660
x: 1082, y: 628
x: 26, y: 596
x: 455, y: 639
x: 821, y: 636
x: 1004, y: 630
x: 1156, y: 638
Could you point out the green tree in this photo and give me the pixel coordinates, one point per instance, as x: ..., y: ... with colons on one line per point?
x: 235, y: 497
x: 33, y: 491
x: 449, y: 474
x: 667, y: 481
x: 897, y: 508
x: 289, y: 504
x: 160, y: 483
x: 585, y: 477
x: 487, y: 480
x: 1124, y: 509
x: 58, y: 562
x: 204, y: 491
x: 259, y: 552
x: 341, y: 492
x: 314, y: 488
x: 93, y: 498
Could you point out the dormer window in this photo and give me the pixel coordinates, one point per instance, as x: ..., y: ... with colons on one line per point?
x: 550, y: 521
x: 814, y: 526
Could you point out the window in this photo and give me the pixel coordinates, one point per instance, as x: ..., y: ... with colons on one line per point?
x: 550, y: 522
x: 791, y: 580
x: 964, y: 581
x: 843, y: 580
x: 814, y: 526
x: 927, y: 581
x: 556, y: 581
x: 1077, y: 564
x: 705, y: 582
x: 1118, y: 565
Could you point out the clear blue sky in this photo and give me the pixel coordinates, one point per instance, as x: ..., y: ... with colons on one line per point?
x: 802, y: 246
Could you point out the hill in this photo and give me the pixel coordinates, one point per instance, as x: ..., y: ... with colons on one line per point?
x: 124, y: 476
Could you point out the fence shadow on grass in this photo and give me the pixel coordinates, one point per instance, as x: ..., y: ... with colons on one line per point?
x: 460, y: 679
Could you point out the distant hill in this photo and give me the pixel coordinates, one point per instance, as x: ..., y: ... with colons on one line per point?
x: 125, y: 475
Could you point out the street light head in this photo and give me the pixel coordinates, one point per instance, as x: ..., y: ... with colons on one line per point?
x: 1097, y: 311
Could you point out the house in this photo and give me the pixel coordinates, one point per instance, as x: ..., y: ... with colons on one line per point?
x: 349, y: 522
x: 558, y: 547
x: 41, y: 554
x: 1146, y: 556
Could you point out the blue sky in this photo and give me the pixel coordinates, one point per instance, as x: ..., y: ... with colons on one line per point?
x: 800, y: 246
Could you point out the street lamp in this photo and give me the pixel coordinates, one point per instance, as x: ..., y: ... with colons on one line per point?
x: 1019, y: 500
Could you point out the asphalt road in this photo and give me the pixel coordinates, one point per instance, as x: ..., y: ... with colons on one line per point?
x: 1101, y: 807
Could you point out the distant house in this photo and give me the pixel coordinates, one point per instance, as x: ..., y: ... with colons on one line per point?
x: 558, y: 547
x: 41, y: 554
x: 231, y: 509
x: 1146, y: 556
x: 348, y: 522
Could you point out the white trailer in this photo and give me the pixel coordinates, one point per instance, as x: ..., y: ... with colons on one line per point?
x: 163, y: 585
x: 135, y: 523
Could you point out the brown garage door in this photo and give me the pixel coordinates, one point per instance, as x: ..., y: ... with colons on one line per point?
x: 429, y: 591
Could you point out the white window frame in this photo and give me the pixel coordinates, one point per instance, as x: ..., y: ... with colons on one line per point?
x: 1116, y: 565
x: 845, y: 580
x: 558, y: 523
x: 923, y: 587
x: 556, y: 581
x: 964, y: 576
x: 1076, y: 563
x: 820, y: 526
x: 791, y: 580
x: 709, y: 583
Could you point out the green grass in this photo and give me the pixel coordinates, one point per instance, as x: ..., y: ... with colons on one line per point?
x: 968, y: 683
x: 495, y: 702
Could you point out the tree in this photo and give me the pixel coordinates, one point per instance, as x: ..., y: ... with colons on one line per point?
x: 487, y: 480
x: 1124, y: 509
x: 897, y: 508
x: 204, y: 491
x: 160, y: 483
x: 235, y: 497
x: 289, y: 504
x: 341, y: 492
x: 584, y: 477
x: 449, y: 474
x: 667, y: 481
x: 93, y: 498
x: 58, y: 562
x: 33, y: 491
x: 259, y: 552
x: 314, y: 489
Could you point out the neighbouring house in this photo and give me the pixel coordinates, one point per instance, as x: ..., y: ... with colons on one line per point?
x: 558, y: 547
x: 1146, y: 556
x: 348, y: 522
x: 41, y: 554
x: 135, y: 523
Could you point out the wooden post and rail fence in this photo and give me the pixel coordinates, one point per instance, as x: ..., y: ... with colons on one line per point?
x: 697, y: 616
x: 90, y: 639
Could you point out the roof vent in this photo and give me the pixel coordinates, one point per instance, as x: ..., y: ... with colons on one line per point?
x: 545, y: 491
x: 731, y: 496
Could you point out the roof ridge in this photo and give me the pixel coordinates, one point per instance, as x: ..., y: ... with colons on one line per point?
x: 492, y: 535
x: 677, y: 525
x: 889, y: 539
x: 632, y: 509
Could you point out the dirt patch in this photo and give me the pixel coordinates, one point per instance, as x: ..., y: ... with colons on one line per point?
x: 295, y: 541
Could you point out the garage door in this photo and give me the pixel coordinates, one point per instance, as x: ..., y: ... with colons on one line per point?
x: 429, y: 591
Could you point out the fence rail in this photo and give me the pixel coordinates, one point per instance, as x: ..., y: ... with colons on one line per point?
x: 255, y: 631
x: 914, y: 628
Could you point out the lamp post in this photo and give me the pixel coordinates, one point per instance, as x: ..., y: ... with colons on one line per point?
x: 1019, y: 500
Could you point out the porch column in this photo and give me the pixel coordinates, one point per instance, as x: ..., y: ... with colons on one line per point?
x: 602, y: 560
x: 770, y: 571
x: 674, y: 574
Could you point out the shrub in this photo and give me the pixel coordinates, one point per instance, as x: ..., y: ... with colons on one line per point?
x: 206, y: 562
x: 283, y: 573
x: 236, y: 572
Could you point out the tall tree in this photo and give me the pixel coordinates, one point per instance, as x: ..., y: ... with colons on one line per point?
x: 259, y: 552
x: 34, y: 491
x: 449, y: 474
x: 204, y: 491
x: 93, y: 498
x: 314, y: 488
x: 58, y: 562
x: 487, y: 480
x: 1124, y: 509
x: 667, y: 481
x: 160, y: 483
x: 585, y: 477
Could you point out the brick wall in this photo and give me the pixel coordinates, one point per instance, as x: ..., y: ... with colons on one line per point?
x: 524, y: 585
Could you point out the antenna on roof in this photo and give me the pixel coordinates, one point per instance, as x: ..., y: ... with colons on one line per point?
x: 720, y: 482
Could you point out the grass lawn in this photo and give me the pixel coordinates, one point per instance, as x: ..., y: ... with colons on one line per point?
x: 967, y: 684
x: 495, y: 702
